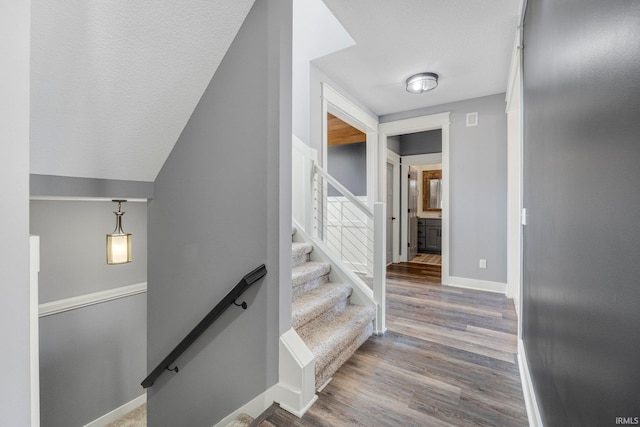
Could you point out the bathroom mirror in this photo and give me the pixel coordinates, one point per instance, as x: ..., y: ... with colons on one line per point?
x: 432, y: 190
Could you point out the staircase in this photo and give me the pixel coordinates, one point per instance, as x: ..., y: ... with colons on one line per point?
x: 322, y: 315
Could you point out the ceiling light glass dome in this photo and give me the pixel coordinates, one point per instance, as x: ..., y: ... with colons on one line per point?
x: 422, y: 82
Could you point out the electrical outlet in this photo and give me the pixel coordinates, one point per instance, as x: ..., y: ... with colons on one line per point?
x: 483, y: 263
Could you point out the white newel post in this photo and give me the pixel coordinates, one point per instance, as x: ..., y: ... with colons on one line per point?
x: 379, y: 264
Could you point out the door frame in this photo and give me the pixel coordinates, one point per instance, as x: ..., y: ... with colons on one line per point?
x: 413, y: 125
x: 333, y: 102
x: 394, y: 159
x: 415, y: 160
x: 516, y: 217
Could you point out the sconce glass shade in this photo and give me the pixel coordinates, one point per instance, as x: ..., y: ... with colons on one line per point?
x: 422, y: 82
x: 119, y: 242
x: 118, y: 248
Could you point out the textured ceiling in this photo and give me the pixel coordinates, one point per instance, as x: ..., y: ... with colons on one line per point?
x: 114, y: 83
x: 468, y: 43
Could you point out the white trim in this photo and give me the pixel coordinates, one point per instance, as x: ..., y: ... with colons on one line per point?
x: 355, y: 116
x: 515, y: 150
x: 295, y: 391
x: 530, y: 401
x: 419, y: 124
x: 514, y: 69
x: 480, y: 285
x: 258, y: 405
x: 253, y: 408
x: 34, y: 335
x: 415, y: 124
x: 422, y: 159
x: 62, y: 305
x: 335, y: 103
x: 118, y: 412
x: 83, y: 199
x: 394, y: 159
x: 296, y: 371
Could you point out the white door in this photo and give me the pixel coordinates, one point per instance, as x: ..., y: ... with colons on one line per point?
x: 413, y: 213
x: 390, y: 217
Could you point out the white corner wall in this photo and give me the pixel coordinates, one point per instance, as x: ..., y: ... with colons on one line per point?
x: 15, y: 21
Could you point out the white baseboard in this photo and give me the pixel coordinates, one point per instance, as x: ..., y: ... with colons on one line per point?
x: 295, y: 391
x: 479, y: 285
x: 118, y: 412
x: 533, y: 411
x: 253, y: 408
x: 284, y: 394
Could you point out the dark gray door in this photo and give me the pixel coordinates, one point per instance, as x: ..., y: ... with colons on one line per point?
x: 389, y: 213
x: 413, y: 213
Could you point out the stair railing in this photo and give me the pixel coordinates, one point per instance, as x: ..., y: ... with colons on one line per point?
x: 353, y: 230
x: 344, y: 224
x: 208, y: 320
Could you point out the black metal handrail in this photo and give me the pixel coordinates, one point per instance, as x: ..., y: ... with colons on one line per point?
x: 231, y: 297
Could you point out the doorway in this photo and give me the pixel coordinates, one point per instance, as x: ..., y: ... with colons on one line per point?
x: 400, y: 227
x: 424, y: 206
x: 390, y: 214
x: 412, y: 209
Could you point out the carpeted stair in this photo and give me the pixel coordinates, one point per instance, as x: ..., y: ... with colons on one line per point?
x: 322, y: 314
x: 244, y: 420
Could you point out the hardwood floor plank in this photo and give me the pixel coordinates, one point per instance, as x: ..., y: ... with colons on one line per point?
x: 447, y: 359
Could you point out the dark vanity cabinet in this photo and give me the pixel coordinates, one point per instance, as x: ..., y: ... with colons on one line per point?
x: 430, y: 235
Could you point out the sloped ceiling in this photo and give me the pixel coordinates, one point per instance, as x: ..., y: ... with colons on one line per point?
x: 113, y: 83
x: 468, y: 43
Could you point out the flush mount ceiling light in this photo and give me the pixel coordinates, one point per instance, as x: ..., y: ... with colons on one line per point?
x: 422, y: 82
x: 118, y: 242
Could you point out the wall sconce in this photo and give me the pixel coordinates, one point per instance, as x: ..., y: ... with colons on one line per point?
x: 119, y: 242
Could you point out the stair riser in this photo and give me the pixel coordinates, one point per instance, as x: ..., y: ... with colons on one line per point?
x: 300, y: 259
x: 299, y: 289
x: 328, y: 311
x: 323, y: 373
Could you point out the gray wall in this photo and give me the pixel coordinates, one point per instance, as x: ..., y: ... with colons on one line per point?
x: 221, y: 208
x: 51, y: 185
x: 582, y: 239
x: 348, y: 164
x: 393, y: 143
x: 72, y: 246
x: 14, y: 216
x: 478, y: 186
x: 420, y: 143
x: 92, y: 359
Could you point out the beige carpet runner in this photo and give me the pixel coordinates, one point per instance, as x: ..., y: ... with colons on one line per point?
x: 323, y: 315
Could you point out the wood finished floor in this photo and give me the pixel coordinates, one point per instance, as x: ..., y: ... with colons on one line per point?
x: 447, y: 359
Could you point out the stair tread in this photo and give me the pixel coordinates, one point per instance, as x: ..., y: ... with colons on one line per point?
x: 300, y: 248
x: 242, y: 420
x: 308, y: 271
x: 317, y: 301
x: 327, y: 337
x: 300, y: 253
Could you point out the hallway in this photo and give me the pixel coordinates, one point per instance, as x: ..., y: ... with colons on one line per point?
x: 447, y: 359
